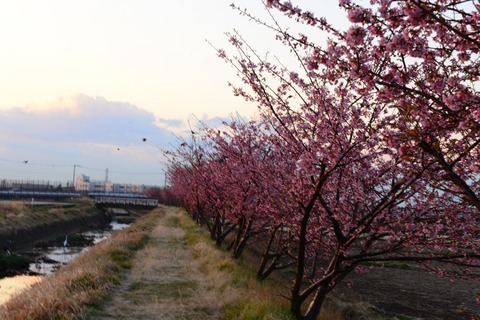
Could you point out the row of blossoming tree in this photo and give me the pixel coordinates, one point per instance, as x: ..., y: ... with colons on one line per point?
x: 367, y: 152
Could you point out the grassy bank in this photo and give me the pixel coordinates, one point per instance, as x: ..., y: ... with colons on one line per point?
x: 83, y: 282
x: 21, y: 225
x: 227, y: 286
x: 241, y: 296
x: 245, y: 298
x: 79, y: 287
x: 20, y: 215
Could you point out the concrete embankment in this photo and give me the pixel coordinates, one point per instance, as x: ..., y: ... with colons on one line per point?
x: 24, y: 228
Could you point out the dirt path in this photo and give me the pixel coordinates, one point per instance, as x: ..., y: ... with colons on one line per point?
x: 164, y: 282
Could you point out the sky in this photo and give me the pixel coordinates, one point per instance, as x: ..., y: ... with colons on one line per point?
x: 90, y: 85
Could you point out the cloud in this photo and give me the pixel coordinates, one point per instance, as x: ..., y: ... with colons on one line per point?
x: 91, y: 131
x: 81, y: 118
x: 176, y: 126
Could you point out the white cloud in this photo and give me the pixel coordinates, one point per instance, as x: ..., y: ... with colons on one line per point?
x: 90, y: 131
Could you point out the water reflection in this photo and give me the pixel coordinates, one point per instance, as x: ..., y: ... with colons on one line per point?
x: 49, y: 259
x: 12, y: 285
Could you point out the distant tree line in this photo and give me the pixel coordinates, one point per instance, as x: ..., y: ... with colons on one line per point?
x: 164, y: 196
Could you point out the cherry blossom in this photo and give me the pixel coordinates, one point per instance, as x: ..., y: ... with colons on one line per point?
x: 366, y: 153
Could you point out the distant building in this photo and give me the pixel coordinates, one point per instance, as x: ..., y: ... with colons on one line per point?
x: 83, y: 183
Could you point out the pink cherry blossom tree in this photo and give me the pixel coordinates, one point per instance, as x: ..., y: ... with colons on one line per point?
x: 371, y: 129
x: 353, y: 198
x: 244, y: 155
x: 183, y: 168
x: 215, y: 179
x: 361, y: 155
x: 422, y: 59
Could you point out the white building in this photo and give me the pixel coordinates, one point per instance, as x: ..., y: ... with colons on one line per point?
x: 83, y: 183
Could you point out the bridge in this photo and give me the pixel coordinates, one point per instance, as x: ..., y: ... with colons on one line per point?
x: 126, y: 203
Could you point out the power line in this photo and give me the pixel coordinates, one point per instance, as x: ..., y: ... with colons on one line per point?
x: 28, y: 163
x: 119, y: 172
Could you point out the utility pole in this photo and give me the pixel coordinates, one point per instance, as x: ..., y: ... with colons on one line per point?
x: 73, y: 181
x: 106, y: 181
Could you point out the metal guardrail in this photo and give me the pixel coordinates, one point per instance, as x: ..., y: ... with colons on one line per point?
x: 126, y: 201
x: 116, y: 195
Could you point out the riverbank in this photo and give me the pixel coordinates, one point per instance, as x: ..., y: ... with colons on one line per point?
x: 180, y: 274
x: 157, y: 286
x: 166, y: 267
x: 83, y: 282
x: 22, y: 225
x: 162, y: 267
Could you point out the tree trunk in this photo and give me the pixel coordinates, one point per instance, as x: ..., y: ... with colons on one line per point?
x: 316, y: 305
x: 242, y: 238
x: 238, y: 236
x: 297, y: 298
x: 263, y: 271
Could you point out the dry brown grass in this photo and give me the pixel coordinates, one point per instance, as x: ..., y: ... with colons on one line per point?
x: 8, y: 206
x: 164, y: 282
x: 83, y: 282
x: 16, y: 215
x: 177, y: 274
x: 10, y: 209
x: 238, y: 293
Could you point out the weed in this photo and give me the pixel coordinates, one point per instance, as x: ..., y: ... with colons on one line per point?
x: 173, y: 222
x: 13, y: 262
x: 226, y: 265
x: 85, y: 281
x: 253, y: 309
x: 121, y: 257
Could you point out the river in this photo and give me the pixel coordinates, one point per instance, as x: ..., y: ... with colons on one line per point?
x: 49, y: 259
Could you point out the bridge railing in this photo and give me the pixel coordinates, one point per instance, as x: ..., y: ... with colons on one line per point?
x: 126, y: 201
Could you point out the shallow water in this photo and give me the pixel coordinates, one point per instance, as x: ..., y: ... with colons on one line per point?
x: 51, y: 258
x: 48, y: 260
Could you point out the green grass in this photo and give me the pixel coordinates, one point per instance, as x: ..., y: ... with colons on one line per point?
x: 13, y: 262
x: 253, y: 309
x: 121, y: 257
